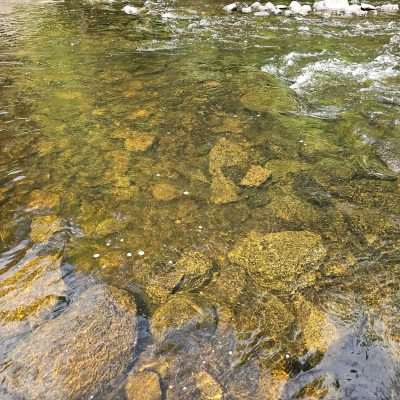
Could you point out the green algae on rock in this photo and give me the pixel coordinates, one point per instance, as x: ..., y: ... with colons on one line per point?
x: 284, y: 260
x: 78, y: 353
x: 164, y: 191
x: 208, y: 387
x: 223, y: 190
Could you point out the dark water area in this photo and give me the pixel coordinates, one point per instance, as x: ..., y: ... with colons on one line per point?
x: 196, y: 205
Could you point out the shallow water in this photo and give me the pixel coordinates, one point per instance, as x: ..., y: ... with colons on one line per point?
x: 124, y: 145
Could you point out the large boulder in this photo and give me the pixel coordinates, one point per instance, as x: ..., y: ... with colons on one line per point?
x: 77, y: 354
x: 284, y: 260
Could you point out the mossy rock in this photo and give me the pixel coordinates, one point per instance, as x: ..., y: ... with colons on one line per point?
x: 284, y: 260
x: 181, y: 315
x: 192, y: 271
x: 282, y: 170
x: 78, y: 353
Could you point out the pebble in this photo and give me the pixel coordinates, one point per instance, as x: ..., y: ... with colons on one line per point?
x: 186, y: 193
x: 131, y: 10
x: 141, y: 253
x: 129, y: 254
x: 96, y: 255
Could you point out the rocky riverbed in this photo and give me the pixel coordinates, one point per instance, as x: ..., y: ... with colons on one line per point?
x: 198, y: 204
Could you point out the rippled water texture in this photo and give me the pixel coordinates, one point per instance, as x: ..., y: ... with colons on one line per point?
x: 195, y: 205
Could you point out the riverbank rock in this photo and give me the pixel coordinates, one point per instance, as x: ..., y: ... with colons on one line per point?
x: 182, y: 314
x: 285, y: 260
x: 192, y: 271
x: 77, y: 354
x: 143, y: 385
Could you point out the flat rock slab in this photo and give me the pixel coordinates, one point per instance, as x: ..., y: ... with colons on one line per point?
x: 75, y: 355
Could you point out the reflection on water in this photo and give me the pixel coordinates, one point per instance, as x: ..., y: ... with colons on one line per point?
x: 202, y: 204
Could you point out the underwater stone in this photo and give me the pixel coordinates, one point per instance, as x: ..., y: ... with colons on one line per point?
x: 43, y: 227
x: 223, y: 190
x: 284, y: 260
x: 255, y: 176
x: 209, y: 388
x: 164, y: 192
x: 182, y: 314
x: 267, y: 314
x: 318, y: 331
x: 192, y: 271
x: 143, y: 385
x: 226, y: 153
x: 40, y: 199
x: 78, y: 353
x: 139, y: 142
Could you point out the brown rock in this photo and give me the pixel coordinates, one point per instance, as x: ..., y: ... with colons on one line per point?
x: 223, y: 190
x: 164, y: 192
x: 143, y: 385
x: 255, y: 176
x: 43, y: 227
x: 139, y: 142
x: 209, y: 388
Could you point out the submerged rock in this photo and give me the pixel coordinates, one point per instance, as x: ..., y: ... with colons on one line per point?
x: 30, y: 293
x: 164, y: 192
x: 208, y: 387
x: 284, y: 260
x: 192, y: 271
x: 143, y: 385
x: 319, y: 331
x: 182, y: 314
x: 255, y: 176
x: 40, y: 199
x: 223, y: 190
x: 267, y: 315
x: 77, y: 354
x: 139, y: 142
x: 43, y: 227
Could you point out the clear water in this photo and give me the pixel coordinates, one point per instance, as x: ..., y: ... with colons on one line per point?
x: 314, y: 99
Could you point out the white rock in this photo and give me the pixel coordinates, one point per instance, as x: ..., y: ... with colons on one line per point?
x: 389, y: 8
x: 282, y: 7
x: 131, y: 10
x: 319, y: 6
x: 355, y: 9
x: 287, y: 13
x: 247, y: 10
x: 367, y: 7
x: 261, y: 14
x: 231, y: 7
x: 305, y: 9
x: 256, y: 6
x: 295, y: 7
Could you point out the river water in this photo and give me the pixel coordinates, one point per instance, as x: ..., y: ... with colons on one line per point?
x: 236, y: 176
